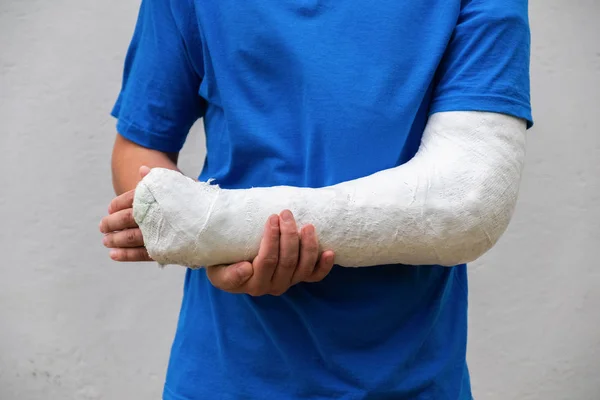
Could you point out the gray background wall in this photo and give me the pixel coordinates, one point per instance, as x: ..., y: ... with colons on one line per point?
x: 74, y: 325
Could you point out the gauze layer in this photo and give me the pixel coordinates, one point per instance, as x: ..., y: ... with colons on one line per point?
x: 448, y: 205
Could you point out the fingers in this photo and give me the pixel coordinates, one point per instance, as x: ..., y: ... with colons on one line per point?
x: 130, y: 255
x: 289, y: 245
x: 323, y: 267
x: 267, y: 259
x: 118, y: 221
x: 272, y: 270
x: 121, y: 202
x: 120, y: 229
x: 127, y: 238
x: 283, y: 260
x: 230, y: 278
x: 309, y: 254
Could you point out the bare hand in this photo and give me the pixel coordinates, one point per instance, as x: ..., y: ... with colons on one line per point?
x: 285, y: 258
x: 121, y: 233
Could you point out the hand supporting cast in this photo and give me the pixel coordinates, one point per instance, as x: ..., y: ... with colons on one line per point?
x: 286, y: 255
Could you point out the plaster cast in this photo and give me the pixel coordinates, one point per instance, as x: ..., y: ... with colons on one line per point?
x: 448, y: 205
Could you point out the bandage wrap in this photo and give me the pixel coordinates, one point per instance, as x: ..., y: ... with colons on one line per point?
x: 448, y: 205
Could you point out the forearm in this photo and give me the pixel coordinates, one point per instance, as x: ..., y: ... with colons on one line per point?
x: 128, y: 157
x: 448, y: 205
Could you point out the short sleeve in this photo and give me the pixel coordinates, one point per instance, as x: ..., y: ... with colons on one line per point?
x: 486, y: 64
x: 159, y: 101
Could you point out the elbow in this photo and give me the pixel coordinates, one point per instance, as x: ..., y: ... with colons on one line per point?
x: 478, y: 222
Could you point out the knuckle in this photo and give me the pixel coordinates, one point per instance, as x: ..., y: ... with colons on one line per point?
x: 131, y: 237
x: 289, y: 235
x: 306, y: 266
x: 234, y: 280
x: 139, y: 254
x: 225, y: 278
x: 274, y: 234
x: 310, y: 247
x: 107, y: 224
x: 125, y: 255
x: 303, y: 276
x: 122, y: 201
x: 310, y: 239
x: 270, y: 260
x: 124, y: 219
x: 288, y: 263
x: 128, y: 217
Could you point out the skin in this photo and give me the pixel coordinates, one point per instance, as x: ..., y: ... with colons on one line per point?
x: 287, y: 256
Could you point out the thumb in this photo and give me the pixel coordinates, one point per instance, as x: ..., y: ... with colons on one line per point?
x: 230, y: 278
x: 144, y: 171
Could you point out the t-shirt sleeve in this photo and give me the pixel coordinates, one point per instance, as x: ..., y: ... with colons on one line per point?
x: 159, y: 101
x: 486, y: 64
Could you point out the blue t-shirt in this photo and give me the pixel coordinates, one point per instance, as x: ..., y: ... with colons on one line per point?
x: 311, y: 93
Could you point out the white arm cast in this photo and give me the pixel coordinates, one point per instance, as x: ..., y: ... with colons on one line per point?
x: 448, y: 205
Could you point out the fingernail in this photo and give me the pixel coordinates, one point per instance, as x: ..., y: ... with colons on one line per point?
x: 105, y: 241
x: 274, y: 220
x: 100, y: 226
x: 113, y: 254
x: 286, y: 215
x: 309, y: 231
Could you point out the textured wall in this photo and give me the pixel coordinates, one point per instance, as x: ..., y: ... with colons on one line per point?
x: 74, y: 325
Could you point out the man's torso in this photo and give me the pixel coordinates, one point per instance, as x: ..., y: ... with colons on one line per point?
x: 312, y: 93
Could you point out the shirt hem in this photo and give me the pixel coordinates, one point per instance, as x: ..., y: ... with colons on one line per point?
x: 486, y: 103
x: 169, y: 395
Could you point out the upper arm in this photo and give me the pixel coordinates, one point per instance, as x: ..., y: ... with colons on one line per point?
x: 124, y: 149
x: 486, y: 64
x: 159, y: 101
x: 128, y: 157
